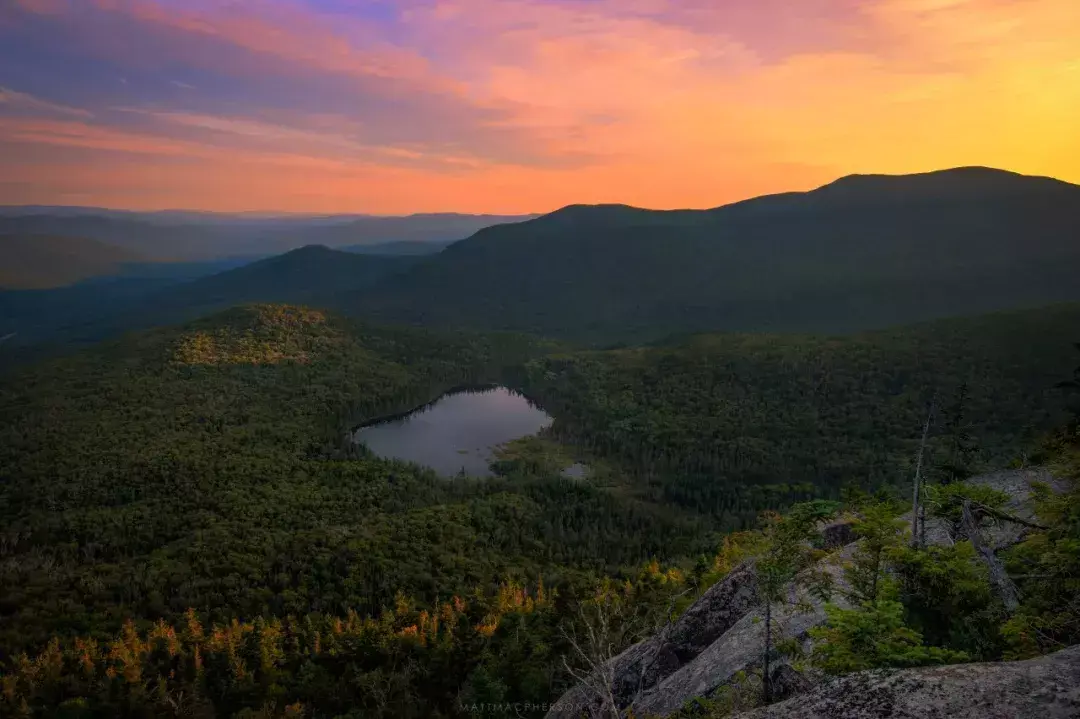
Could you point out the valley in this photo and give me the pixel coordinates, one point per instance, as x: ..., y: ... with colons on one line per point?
x: 392, y: 483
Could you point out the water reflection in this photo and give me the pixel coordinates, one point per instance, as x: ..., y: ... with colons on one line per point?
x: 458, y: 432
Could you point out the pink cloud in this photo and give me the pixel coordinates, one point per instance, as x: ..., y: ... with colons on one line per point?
x: 21, y: 102
x: 510, y: 105
x: 281, y: 30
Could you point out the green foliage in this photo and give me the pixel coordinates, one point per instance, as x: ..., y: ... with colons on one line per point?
x: 741, y: 694
x: 532, y: 455
x: 787, y: 551
x: 807, y: 514
x: 870, y: 637
x: 947, y: 501
x: 784, y: 564
x: 947, y: 595
x: 730, y: 425
x: 872, y: 633
x: 207, y: 468
x: 1047, y: 570
x: 961, y: 446
x: 880, y: 534
x: 407, y: 662
x: 732, y: 550
x: 1071, y: 388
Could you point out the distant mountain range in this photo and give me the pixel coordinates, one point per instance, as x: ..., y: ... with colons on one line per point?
x: 400, y: 248
x: 309, y: 275
x: 89, y: 311
x: 34, y: 262
x: 184, y: 235
x: 860, y: 253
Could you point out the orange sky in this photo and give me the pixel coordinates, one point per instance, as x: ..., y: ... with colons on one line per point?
x: 520, y: 105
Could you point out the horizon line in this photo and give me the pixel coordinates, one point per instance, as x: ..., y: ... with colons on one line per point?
x: 272, y: 214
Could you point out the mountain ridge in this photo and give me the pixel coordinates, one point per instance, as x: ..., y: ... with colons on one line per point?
x: 843, y: 257
x: 968, y: 172
x: 187, y: 236
x: 956, y: 242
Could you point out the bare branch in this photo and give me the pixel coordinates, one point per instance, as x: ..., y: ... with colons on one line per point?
x: 1008, y: 592
x: 1005, y: 516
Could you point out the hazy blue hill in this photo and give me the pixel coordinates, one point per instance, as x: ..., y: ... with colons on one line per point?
x: 859, y: 253
x: 178, y: 235
x: 152, y: 241
x: 300, y: 275
x: 435, y: 227
x: 399, y: 248
x: 45, y: 261
x: 92, y: 311
x: 169, y: 272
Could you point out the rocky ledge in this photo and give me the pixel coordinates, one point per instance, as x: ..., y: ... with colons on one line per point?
x: 721, y: 633
x: 1044, y: 688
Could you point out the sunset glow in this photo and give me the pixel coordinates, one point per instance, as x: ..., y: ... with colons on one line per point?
x: 397, y: 106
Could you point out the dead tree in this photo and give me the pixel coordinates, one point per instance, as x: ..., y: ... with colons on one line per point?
x: 604, y: 631
x: 1003, y: 585
x: 596, y: 647
x: 918, y: 537
x: 656, y: 645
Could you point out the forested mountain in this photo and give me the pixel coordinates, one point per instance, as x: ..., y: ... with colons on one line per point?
x: 44, y: 261
x: 313, y: 272
x: 173, y: 236
x: 309, y: 275
x: 860, y: 253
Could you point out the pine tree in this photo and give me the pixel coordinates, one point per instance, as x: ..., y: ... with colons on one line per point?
x: 879, y: 532
x: 1072, y: 387
x: 962, y: 446
x: 788, y: 553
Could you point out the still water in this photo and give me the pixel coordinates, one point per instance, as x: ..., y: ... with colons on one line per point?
x: 459, y: 431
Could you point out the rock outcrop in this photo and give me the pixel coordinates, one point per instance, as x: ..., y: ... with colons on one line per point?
x: 641, y: 667
x: 721, y: 634
x: 838, y: 534
x: 1044, y: 688
x: 739, y: 648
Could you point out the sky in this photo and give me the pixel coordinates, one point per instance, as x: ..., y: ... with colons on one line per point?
x: 508, y: 106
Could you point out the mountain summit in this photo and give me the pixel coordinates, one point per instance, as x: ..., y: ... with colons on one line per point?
x: 864, y: 251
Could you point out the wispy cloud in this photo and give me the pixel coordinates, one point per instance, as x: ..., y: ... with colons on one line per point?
x: 529, y: 104
x: 23, y: 102
x: 316, y: 136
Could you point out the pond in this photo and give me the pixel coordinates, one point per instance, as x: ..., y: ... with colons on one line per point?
x: 459, y: 431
